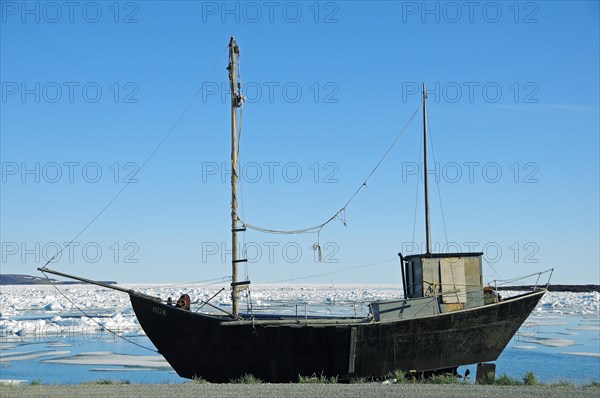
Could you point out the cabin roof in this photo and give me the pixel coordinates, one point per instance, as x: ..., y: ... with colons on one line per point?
x: 442, y: 255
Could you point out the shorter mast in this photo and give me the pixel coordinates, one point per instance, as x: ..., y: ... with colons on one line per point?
x: 427, y: 228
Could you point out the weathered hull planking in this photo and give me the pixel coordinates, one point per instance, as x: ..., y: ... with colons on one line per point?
x: 201, y: 345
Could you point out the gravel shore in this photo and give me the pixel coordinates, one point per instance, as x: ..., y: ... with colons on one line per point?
x: 295, y: 390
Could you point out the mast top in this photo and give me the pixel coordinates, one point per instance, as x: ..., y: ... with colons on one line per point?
x: 233, y: 44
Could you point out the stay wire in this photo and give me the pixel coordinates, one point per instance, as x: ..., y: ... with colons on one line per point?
x: 238, y: 95
x: 417, y: 191
x: 318, y: 227
x: 148, y: 158
x: 334, y: 272
x: 437, y: 180
x: 206, y: 282
x: 95, y: 321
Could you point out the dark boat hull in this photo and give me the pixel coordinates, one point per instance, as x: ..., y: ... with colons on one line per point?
x: 200, y: 345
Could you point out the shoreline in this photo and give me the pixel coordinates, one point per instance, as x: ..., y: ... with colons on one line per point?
x: 369, y: 390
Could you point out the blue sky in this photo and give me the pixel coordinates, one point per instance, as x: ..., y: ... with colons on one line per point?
x: 90, y: 90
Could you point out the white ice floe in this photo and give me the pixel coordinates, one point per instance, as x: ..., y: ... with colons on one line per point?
x: 121, y: 369
x: 589, y: 328
x: 525, y: 347
x: 23, y: 356
x: 155, y: 362
x: 582, y: 354
x: 571, y: 303
x: 551, y: 342
x: 9, y: 382
x: 537, y: 321
x: 39, y: 310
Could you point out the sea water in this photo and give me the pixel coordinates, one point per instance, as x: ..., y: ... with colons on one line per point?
x: 82, y: 333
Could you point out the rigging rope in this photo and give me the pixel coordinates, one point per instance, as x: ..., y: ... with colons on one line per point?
x: 437, y: 182
x: 240, y: 100
x: 417, y: 191
x: 213, y: 281
x: 148, y: 158
x: 341, y: 212
x: 334, y: 272
x: 102, y: 327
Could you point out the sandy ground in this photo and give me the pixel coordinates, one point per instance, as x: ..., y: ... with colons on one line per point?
x: 295, y: 390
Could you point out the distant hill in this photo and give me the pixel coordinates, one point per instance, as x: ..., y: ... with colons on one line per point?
x: 17, y: 279
x: 558, y: 288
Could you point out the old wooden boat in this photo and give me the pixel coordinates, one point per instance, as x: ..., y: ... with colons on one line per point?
x: 445, y: 317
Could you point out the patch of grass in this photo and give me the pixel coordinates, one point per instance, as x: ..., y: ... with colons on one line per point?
x: 104, y: 382
x: 505, y: 380
x: 530, y: 380
x: 321, y: 379
x: 35, y: 383
x: 441, y: 379
x: 247, y: 379
x: 199, y: 380
x: 332, y: 380
x: 398, y: 375
x: 563, y: 383
x: 488, y: 379
x: 359, y: 380
x: 593, y: 384
x: 108, y: 382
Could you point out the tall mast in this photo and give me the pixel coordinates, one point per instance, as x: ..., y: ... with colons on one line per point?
x: 427, y: 229
x: 233, y: 53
